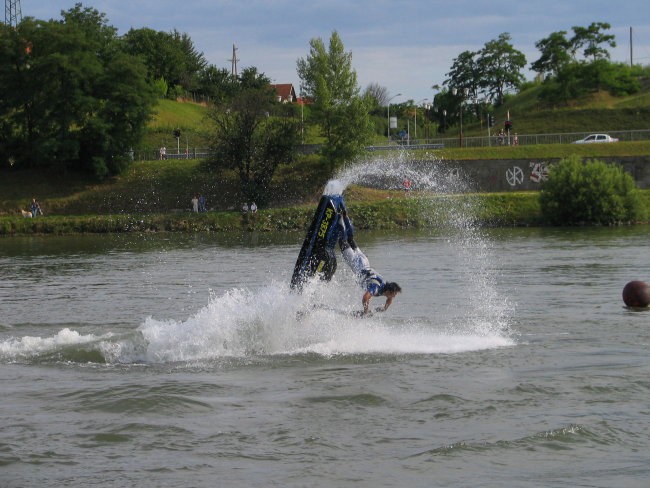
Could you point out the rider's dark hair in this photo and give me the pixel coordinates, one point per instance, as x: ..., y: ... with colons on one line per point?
x: 392, y: 287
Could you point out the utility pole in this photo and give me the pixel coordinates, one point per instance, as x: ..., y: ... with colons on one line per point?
x: 631, y: 61
x: 233, y: 61
x: 13, y: 14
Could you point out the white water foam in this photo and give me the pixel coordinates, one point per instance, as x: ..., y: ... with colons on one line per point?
x: 276, y: 321
x: 429, y: 173
x: 30, y: 346
x: 270, y: 321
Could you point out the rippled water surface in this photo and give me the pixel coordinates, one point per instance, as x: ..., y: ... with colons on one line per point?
x: 158, y: 360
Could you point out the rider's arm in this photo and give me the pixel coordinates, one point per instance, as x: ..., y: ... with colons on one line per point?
x: 389, y: 300
x: 366, y: 301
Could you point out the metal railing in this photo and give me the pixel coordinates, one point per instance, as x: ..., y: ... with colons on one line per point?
x: 530, y: 139
x: 435, y: 143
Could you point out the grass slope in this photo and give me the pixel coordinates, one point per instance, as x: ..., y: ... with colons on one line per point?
x: 152, y: 187
x: 600, y: 112
x: 190, y: 118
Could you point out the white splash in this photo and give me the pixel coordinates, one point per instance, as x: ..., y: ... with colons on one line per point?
x: 274, y: 321
x: 428, y: 173
x: 267, y: 322
x: 29, y: 346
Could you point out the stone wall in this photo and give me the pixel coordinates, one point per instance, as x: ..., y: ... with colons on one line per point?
x: 528, y: 174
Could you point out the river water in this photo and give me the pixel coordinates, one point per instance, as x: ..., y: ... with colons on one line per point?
x: 171, y: 360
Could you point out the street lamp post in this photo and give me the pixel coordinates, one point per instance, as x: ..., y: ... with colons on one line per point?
x: 416, y: 116
x: 388, y: 131
x: 454, y: 91
x: 426, y: 106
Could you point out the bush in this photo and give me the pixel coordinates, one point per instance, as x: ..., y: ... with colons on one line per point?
x: 589, y: 193
x: 580, y: 79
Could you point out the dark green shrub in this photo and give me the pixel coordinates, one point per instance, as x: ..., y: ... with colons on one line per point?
x: 589, y: 193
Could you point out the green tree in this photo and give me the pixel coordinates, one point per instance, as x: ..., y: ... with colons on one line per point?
x: 74, y: 100
x: 590, y: 38
x: 168, y: 55
x: 327, y: 77
x: 490, y: 72
x: 249, y: 139
x: 555, y: 54
x: 250, y: 79
x: 217, y: 84
x: 465, y: 73
x: 500, y: 65
x: 591, y: 193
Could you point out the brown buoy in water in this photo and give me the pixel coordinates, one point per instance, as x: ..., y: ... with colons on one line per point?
x: 636, y: 294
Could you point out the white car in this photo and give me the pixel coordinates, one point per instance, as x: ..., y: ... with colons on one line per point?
x: 592, y: 138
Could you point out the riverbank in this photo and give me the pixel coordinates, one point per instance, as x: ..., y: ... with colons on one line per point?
x: 152, y: 187
x: 382, y: 210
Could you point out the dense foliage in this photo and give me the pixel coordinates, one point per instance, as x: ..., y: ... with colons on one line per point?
x: 327, y: 78
x: 170, y: 56
x: 489, y: 72
x: 251, y: 140
x: 588, y: 193
x: 579, y: 79
x: 72, y: 98
x: 567, y: 76
x: 570, y: 68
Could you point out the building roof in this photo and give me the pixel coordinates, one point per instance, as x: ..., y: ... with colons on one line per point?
x: 285, y: 92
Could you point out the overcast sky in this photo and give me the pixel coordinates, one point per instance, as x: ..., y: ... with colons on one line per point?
x: 406, y: 46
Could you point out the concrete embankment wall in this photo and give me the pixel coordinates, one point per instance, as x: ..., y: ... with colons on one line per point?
x: 528, y: 174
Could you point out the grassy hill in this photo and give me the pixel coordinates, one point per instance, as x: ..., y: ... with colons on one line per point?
x: 600, y: 112
x: 153, y: 187
x: 190, y: 118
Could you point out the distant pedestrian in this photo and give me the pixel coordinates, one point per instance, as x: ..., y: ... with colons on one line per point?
x: 35, y: 207
x: 244, y: 208
x: 195, y: 205
x: 501, y: 138
x: 253, y: 208
x: 515, y: 140
x: 407, y: 186
x: 202, y: 204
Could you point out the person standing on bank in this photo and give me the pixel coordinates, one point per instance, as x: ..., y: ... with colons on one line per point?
x: 35, y: 208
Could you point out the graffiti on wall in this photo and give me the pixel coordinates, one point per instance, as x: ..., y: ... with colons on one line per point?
x: 514, y: 176
x: 538, y: 173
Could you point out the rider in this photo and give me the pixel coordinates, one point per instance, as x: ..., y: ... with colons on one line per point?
x: 373, y: 283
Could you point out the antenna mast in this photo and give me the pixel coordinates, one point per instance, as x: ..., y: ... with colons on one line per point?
x: 13, y: 15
